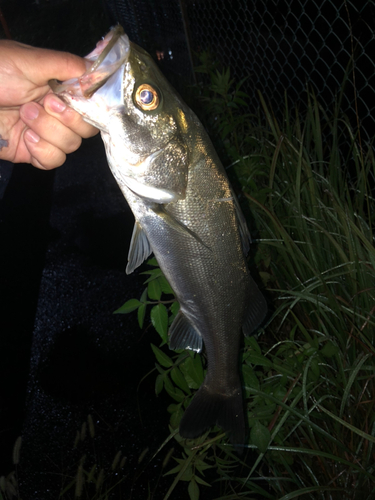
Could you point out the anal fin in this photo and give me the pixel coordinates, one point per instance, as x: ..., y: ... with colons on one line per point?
x: 182, y: 335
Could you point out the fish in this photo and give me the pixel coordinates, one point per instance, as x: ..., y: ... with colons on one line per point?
x: 186, y: 214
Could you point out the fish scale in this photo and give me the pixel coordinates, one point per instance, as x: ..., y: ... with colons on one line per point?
x: 185, y: 213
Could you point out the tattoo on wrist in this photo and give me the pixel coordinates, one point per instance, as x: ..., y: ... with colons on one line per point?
x: 3, y: 143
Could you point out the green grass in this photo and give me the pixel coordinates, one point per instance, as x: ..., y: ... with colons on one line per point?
x: 309, y: 377
x: 315, y: 215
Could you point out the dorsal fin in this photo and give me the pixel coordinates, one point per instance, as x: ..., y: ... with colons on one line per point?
x: 257, y: 309
x: 139, y: 250
x: 242, y: 226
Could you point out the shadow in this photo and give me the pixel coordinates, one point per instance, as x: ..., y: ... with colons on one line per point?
x: 24, y: 235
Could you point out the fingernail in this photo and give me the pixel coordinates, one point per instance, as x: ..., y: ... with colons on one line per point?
x: 30, y: 111
x: 56, y: 105
x: 31, y: 136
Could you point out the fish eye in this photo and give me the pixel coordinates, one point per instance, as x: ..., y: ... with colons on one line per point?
x: 147, y: 97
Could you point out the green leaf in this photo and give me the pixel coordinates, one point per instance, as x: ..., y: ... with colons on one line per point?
x: 160, y: 369
x: 179, y: 379
x: 141, y: 315
x: 173, y: 391
x: 239, y: 92
x: 238, y: 100
x: 279, y: 392
x: 329, y: 350
x: 165, y: 286
x: 198, y: 372
x: 200, y: 463
x: 174, y: 470
x: 159, y: 384
x: 175, y: 307
x: 200, y: 480
x: 162, y: 358
x: 153, y: 262
x: 176, y: 416
x: 260, y: 436
x: 129, y: 306
x: 159, y: 319
x: 252, y: 343
x: 169, y: 387
x: 190, y: 382
x: 232, y: 104
x: 259, y: 360
x: 193, y: 490
x: 153, y: 273
x: 314, y: 366
x: 264, y: 411
x: 143, y: 298
x: 154, y: 290
x: 185, y: 469
x: 172, y: 408
x: 192, y: 368
x: 249, y: 377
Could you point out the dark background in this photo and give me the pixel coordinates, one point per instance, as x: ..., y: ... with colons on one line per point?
x: 64, y: 355
x: 65, y: 234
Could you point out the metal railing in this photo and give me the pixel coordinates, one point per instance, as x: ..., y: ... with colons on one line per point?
x: 280, y: 46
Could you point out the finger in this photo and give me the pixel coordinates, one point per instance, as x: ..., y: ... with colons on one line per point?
x: 43, y: 154
x: 68, y: 117
x: 49, y: 128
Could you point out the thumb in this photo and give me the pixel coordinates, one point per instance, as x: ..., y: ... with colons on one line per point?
x: 52, y: 64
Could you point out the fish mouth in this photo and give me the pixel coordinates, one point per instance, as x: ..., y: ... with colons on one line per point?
x: 108, y: 56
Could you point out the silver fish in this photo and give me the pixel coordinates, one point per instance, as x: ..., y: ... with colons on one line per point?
x: 185, y: 213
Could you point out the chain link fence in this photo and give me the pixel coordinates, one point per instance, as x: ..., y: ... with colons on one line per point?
x: 280, y: 46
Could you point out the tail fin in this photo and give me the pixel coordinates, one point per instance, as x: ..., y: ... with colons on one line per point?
x: 208, y: 408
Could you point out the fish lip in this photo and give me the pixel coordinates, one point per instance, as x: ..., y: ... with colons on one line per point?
x: 108, y: 56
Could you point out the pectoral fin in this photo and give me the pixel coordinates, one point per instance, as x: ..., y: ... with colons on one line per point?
x: 257, y: 310
x: 182, y: 335
x: 160, y: 177
x: 139, y: 250
x: 177, y: 225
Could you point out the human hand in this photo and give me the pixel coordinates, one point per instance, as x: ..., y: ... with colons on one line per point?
x: 35, y: 125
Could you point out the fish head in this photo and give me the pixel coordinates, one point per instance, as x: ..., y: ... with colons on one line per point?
x: 142, y: 120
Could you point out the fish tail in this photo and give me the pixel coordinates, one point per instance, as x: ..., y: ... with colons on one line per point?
x: 209, y: 408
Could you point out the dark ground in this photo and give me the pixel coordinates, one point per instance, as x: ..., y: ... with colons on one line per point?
x: 64, y: 245
x: 64, y: 355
